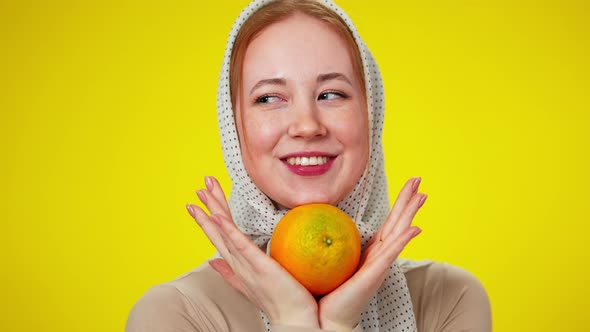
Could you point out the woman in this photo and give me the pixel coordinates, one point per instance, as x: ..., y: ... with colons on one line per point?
x: 300, y: 109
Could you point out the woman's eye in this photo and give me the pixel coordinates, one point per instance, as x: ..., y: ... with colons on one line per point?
x: 267, y: 99
x: 330, y: 95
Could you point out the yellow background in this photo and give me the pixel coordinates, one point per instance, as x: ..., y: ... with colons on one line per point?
x: 107, y: 126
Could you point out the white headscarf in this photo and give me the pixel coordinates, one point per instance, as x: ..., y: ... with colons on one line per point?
x: 367, y: 204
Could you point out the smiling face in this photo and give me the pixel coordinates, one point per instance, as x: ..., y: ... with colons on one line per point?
x: 301, y: 113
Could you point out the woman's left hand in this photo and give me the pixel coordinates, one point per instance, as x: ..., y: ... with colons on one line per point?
x: 340, y: 310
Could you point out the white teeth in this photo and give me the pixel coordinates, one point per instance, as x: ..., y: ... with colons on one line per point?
x: 307, y: 161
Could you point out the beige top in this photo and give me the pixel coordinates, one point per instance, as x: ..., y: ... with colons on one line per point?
x: 445, y: 299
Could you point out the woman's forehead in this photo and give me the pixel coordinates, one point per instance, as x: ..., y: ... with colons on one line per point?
x: 297, y: 48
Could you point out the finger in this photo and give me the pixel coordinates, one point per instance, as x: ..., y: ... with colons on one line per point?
x: 216, y: 202
x: 378, y: 265
x: 386, y: 245
x: 214, y: 205
x: 404, y: 197
x: 370, y: 249
x: 371, y: 274
x: 236, y: 259
x: 210, y: 202
x: 391, y: 250
x: 407, y: 216
x: 218, y: 209
x: 234, y: 267
x: 375, y: 237
x: 230, y: 249
x: 245, y: 249
x: 210, y: 228
x: 214, y: 187
x: 213, y: 197
x: 226, y: 272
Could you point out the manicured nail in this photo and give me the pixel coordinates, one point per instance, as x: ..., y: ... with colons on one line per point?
x: 190, y: 209
x: 416, y: 184
x: 202, y: 196
x: 422, y: 200
x: 209, y: 183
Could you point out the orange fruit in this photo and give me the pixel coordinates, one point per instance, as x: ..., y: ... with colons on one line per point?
x: 319, y: 245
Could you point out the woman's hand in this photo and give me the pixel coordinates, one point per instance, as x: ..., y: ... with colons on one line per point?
x: 340, y: 310
x: 248, y: 269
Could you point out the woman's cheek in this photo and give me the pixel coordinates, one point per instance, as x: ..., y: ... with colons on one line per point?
x: 263, y: 134
x: 351, y: 128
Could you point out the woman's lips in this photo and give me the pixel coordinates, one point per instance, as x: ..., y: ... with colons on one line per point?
x: 309, y: 166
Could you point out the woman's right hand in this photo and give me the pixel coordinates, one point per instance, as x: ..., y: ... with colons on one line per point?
x: 248, y: 269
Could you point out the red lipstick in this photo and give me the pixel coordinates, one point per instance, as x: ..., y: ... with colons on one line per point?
x: 309, y: 170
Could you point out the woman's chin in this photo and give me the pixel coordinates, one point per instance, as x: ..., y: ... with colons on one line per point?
x: 297, y: 200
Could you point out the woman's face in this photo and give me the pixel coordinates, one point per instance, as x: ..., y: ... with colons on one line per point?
x: 301, y: 114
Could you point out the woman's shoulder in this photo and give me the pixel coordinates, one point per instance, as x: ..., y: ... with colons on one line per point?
x: 446, y: 297
x: 431, y: 273
x: 198, y: 298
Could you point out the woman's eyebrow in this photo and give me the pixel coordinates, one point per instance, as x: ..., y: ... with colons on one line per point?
x: 271, y: 81
x: 333, y: 76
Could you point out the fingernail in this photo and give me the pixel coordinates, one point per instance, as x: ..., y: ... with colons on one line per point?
x: 209, y: 183
x: 190, y: 210
x: 422, y: 200
x: 416, y: 184
x: 202, y: 196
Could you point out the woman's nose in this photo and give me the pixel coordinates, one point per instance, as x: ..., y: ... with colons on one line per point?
x: 306, y: 123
